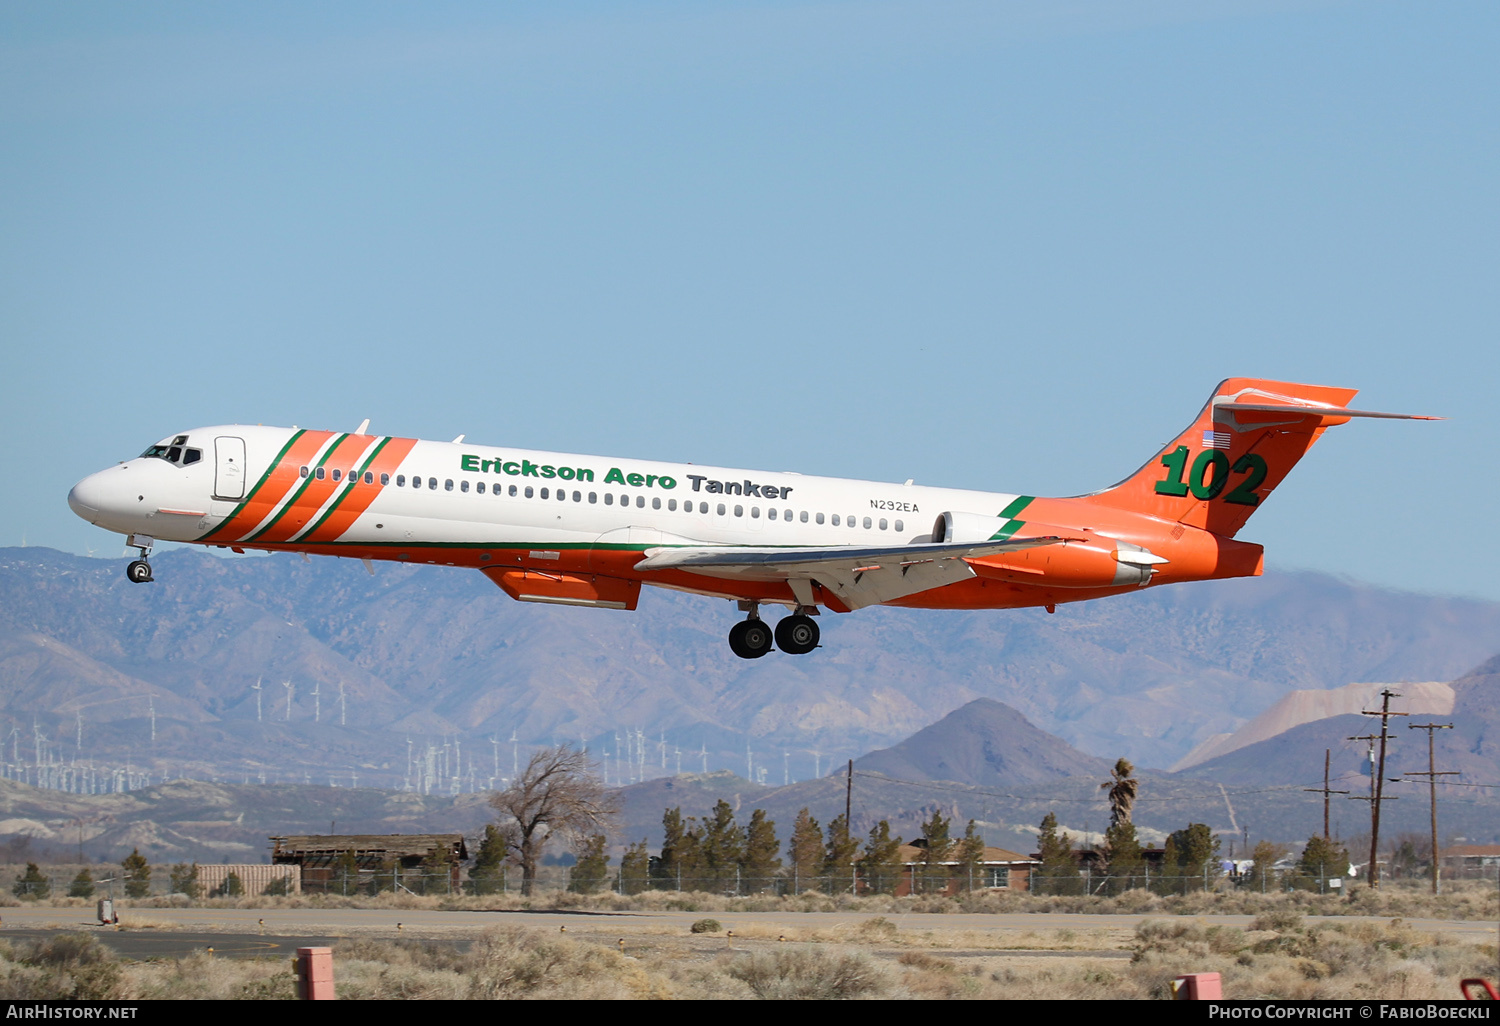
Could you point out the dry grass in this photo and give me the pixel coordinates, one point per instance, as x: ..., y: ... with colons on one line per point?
x: 1278, y: 957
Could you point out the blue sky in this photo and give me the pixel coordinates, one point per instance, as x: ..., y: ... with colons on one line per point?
x: 990, y: 245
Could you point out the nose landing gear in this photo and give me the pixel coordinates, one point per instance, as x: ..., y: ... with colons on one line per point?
x: 139, y: 570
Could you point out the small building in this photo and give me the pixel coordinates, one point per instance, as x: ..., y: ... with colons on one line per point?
x: 321, y: 856
x: 1472, y: 859
x: 254, y: 877
x: 998, y: 868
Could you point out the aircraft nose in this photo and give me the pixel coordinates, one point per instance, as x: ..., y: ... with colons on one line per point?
x: 87, y: 498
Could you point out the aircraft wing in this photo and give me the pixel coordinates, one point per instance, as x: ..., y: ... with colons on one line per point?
x: 860, y: 575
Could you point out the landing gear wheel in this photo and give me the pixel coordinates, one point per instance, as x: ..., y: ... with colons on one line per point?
x: 139, y: 571
x: 750, y: 639
x: 797, y: 634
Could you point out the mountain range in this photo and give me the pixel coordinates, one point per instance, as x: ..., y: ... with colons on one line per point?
x: 363, y: 678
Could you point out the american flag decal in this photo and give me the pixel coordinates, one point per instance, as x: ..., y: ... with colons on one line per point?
x: 1216, y: 439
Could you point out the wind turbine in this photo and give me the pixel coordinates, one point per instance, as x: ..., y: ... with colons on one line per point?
x: 704, y: 753
x: 256, y: 688
x: 342, y: 709
x: 515, y: 757
x: 291, y: 689
x: 317, y: 705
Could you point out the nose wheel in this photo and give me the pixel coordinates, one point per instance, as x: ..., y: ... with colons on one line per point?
x: 139, y: 570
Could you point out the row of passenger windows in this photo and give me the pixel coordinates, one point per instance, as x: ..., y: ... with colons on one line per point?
x: 561, y: 495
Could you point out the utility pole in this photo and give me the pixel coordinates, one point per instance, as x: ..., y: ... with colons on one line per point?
x: 849, y: 795
x: 1377, y: 779
x: 1324, y: 791
x: 1432, y: 774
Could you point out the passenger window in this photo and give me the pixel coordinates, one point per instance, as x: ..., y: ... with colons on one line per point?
x: 370, y: 478
x: 803, y: 516
x: 512, y: 491
x: 385, y: 479
x: 754, y: 512
x: 191, y: 456
x: 672, y: 505
x: 786, y: 513
x: 640, y: 502
x: 321, y: 472
x: 835, y: 519
x: 544, y: 494
x: 771, y: 514
x: 448, y: 485
x: 609, y: 498
x: 899, y: 527
x: 562, y: 495
x: 593, y: 496
x: 820, y: 517
x: 851, y: 523
x: 739, y: 511
x: 721, y: 509
x: 304, y: 471
x: 432, y: 484
x: 655, y: 502
x: 479, y: 487
x: 463, y: 485
x: 529, y: 492
x: 338, y: 475
x: 882, y: 523
x: 577, y: 496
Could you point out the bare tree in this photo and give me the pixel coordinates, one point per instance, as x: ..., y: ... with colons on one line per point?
x: 556, y: 793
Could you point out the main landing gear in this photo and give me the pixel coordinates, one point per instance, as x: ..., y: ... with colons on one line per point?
x: 139, y: 570
x: 751, y: 638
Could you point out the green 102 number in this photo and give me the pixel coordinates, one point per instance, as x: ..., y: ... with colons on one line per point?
x: 1210, y: 473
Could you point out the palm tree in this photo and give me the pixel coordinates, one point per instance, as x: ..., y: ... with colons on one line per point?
x: 1122, y: 787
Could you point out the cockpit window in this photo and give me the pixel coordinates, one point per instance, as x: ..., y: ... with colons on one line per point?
x: 174, y: 453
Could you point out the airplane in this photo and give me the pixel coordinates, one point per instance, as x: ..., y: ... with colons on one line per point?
x: 590, y: 531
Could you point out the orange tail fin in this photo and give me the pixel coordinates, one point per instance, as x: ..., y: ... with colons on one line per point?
x: 1245, y: 441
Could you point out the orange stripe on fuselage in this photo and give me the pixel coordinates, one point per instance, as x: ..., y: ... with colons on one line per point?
x: 299, y: 514
x: 283, y: 478
x: 361, y: 495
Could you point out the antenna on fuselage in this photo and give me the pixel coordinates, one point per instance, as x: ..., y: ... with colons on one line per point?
x: 362, y: 426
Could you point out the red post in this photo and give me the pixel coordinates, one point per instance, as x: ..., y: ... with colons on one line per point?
x: 1198, y: 987
x: 315, y: 974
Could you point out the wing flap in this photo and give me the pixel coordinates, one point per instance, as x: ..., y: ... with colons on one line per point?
x: 859, y: 575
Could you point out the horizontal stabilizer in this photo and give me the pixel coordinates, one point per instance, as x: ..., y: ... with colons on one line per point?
x: 1320, y: 411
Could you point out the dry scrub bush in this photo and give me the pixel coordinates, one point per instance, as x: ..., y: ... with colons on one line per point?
x: 811, y: 973
x: 70, y: 967
x: 1279, y: 958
